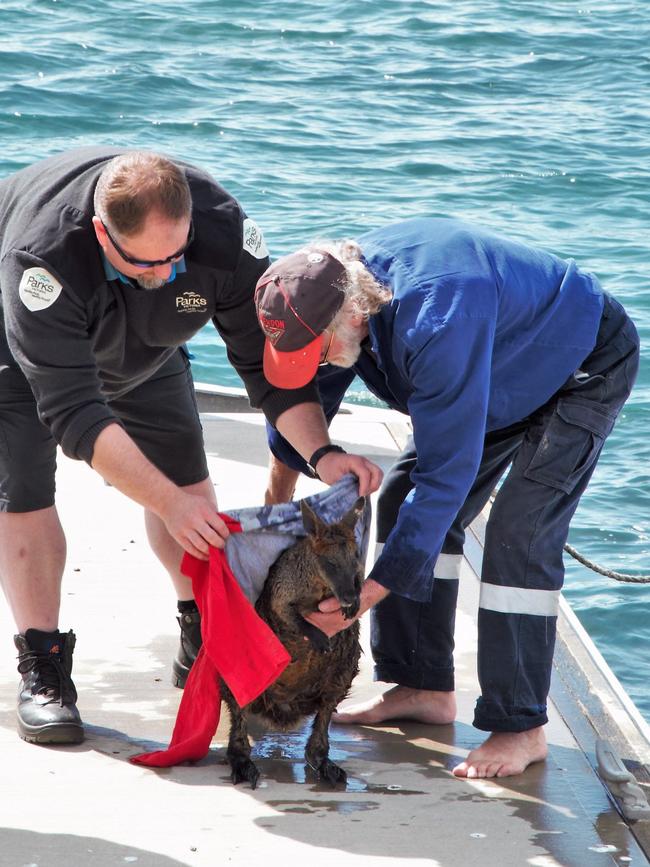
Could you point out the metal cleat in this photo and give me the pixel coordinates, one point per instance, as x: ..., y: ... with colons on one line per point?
x: 622, y: 785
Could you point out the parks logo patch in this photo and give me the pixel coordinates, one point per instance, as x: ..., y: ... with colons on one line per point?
x: 254, y: 242
x: 38, y: 289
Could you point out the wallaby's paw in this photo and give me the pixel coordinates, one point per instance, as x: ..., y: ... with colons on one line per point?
x: 244, y: 771
x: 350, y: 611
x: 320, y: 642
x: 332, y: 774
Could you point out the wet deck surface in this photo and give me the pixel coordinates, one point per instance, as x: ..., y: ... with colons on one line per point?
x: 86, y: 805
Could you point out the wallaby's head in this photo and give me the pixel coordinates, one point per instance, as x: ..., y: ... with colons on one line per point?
x: 337, y: 555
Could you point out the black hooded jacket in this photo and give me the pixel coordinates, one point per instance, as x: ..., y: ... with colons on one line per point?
x: 82, y: 339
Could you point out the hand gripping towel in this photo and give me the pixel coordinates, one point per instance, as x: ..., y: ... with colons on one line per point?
x: 237, y: 645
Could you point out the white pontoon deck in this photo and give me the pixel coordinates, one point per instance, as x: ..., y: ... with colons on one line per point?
x: 86, y: 805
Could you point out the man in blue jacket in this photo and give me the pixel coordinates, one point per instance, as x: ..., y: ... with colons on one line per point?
x: 503, y: 356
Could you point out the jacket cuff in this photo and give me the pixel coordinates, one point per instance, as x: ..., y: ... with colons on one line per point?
x: 280, y: 400
x: 77, y: 436
x: 413, y: 580
x: 86, y: 443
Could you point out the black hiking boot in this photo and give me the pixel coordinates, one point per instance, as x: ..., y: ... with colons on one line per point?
x: 47, y: 713
x: 191, y: 641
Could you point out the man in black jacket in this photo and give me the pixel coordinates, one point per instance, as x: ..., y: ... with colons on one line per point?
x: 109, y: 262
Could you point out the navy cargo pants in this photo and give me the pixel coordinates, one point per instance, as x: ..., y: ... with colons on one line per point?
x: 551, y: 455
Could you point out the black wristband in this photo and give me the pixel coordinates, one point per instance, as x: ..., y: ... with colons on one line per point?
x: 318, y: 454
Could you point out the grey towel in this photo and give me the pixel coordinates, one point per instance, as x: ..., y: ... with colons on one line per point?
x: 269, y: 530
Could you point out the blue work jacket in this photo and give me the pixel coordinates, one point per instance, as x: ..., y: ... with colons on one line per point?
x: 480, y: 332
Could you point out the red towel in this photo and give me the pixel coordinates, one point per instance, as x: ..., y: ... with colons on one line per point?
x: 237, y: 646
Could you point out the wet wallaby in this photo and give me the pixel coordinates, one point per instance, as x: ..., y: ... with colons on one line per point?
x: 324, y: 563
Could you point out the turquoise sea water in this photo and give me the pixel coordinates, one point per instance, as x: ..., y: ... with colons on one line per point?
x: 327, y: 119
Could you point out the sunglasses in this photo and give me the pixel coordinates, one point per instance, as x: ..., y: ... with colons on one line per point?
x: 151, y: 263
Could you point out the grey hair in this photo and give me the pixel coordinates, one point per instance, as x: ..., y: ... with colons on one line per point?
x: 364, y: 295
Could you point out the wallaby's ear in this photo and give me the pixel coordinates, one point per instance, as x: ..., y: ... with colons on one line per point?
x: 350, y: 518
x: 310, y: 519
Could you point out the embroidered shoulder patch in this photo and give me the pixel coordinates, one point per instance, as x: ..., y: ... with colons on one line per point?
x: 254, y: 242
x: 38, y: 289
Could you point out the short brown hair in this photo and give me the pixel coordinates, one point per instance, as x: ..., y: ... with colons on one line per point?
x: 136, y: 183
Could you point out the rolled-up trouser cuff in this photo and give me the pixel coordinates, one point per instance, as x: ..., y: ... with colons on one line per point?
x: 492, y: 717
x: 440, y: 679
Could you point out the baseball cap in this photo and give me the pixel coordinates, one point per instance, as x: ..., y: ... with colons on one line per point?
x: 296, y: 299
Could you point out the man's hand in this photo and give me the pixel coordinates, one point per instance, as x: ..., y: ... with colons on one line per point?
x: 190, y: 518
x: 304, y: 426
x: 334, y: 465
x: 195, y: 524
x: 329, y: 617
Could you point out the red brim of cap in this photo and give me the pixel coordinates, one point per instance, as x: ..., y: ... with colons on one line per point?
x: 292, y: 369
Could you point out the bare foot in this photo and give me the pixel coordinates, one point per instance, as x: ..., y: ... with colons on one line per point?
x: 504, y: 754
x: 402, y: 702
